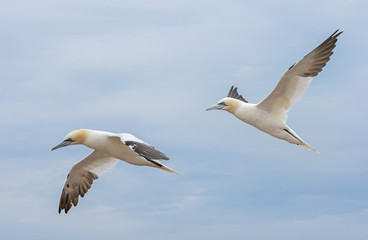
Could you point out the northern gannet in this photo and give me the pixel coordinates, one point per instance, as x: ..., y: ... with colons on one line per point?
x: 270, y: 114
x: 109, y: 148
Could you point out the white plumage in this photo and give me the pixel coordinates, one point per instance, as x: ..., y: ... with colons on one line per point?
x: 270, y: 115
x: 109, y: 148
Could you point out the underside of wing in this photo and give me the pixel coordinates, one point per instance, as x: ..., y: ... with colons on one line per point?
x: 296, y: 79
x: 81, y: 176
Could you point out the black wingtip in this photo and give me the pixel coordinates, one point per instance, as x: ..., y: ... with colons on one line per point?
x: 231, y: 90
x: 334, y: 35
x: 233, y: 93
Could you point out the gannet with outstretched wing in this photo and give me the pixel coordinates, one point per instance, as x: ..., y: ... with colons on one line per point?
x: 270, y: 115
x: 109, y: 148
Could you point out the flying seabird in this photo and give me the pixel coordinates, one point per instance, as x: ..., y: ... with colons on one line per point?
x: 109, y: 148
x: 270, y: 114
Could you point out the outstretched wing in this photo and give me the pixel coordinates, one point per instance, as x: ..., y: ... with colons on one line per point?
x: 142, y: 148
x: 297, y: 78
x: 81, y: 176
x: 146, y: 151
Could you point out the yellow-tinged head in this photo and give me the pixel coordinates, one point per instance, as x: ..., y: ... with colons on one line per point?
x: 72, y: 138
x: 228, y: 104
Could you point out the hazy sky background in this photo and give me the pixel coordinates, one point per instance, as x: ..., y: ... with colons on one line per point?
x: 151, y: 68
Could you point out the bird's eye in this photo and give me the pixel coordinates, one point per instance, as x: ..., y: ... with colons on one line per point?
x: 69, y: 140
x: 222, y: 104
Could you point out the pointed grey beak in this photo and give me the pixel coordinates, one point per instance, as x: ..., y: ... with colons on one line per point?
x: 62, y: 144
x: 217, y: 106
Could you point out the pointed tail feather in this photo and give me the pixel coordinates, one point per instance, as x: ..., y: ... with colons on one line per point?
x: 306, y: 146
x: 302, y: 143
x: 158, y: 164
x: 167, y: 169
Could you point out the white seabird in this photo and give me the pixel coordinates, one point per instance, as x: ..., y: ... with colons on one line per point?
x: 109, y: 148
x: 270, y: 115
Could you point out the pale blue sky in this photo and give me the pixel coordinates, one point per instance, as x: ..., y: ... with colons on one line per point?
x: 151, y: 68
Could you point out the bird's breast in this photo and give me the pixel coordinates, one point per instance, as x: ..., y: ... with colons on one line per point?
x: 249, y: 114
x: 258, y: 118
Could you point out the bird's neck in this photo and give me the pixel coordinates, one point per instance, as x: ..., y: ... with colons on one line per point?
x: 237, y: 106
x: 244, y: 111
x: 95, y: 139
